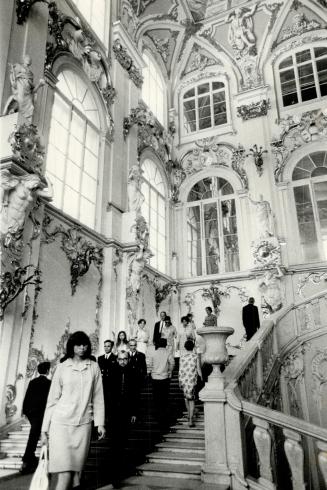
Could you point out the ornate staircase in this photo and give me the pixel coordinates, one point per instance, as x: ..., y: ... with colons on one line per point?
x: 13, y: 447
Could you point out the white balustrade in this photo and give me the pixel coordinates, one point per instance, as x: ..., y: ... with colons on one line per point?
x: 295, y: 457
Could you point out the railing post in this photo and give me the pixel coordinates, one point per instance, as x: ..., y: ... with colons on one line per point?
x: 322, y: 459
x: 295, y: 458
x: 262, y: 440
x: 259, y: 376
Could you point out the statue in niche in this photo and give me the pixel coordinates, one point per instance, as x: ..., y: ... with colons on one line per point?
x: 135, y: 196
x: 23, y: 89
x: 240, y: 35
x: 137, y: 265
x: 270, y: 287
x: 92, y: 65
x: 264, y: 218
x: 17, y: 194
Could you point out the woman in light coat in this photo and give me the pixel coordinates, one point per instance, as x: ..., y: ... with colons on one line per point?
x: 75, y: 400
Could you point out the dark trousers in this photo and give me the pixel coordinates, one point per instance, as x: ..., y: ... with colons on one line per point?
x: 250, y: 331
x: 34, y: 435
x: 160, y: 390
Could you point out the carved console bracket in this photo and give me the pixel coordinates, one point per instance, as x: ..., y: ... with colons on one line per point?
x: 257, y: 154
x: 237, y: 161
x: 253, y: 110
x: 162, y: 291
x: 126, y: 61
x: 80, y: 252
x: 13, y: 283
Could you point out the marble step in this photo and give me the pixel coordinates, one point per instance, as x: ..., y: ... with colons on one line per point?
x: 10, y: 463
x: 181, y: 431
x: 172, y: 457
x: 187, y: 471
x: 181, y: 445
x: 183, y: 435
x: 19, y: 451
x: 147, y: 483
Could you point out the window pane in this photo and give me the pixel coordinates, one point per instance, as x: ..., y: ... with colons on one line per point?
x: 194, y: 241
x: 201, y: 190
x: 189, y: 93
x: 56, y: 162
x: 87, y: 212
x: 73, y: 174
x: 217, y: 85
x: 321, y: 51
x: 287, y: 62
x: 307, y: 82
x: 77, y: 127
x: 320, y: 190
x: 70, y: 205
x: 322, y: 75
x: 75, y: 151
x: 303, y: 56
x: 61, y: 111
x: 211, y: 238
x: 306, y: 223
x: 90, y: 164
x: 92, y: 140
x: 231, y: 251
x: 89, y: 187
x: 288, y: 85
x: 202, y: 89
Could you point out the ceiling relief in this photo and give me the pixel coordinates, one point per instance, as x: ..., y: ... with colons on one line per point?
x: 199, y: 59
x: 198, y: 9
x: 164, y: 43
x: 144, y: 8
x: 299, y: 21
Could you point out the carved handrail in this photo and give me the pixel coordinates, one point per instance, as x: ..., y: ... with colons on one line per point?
x: 274, y: 449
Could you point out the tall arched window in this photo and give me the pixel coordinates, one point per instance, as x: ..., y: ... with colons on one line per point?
x: 303, y: 75
x: 95, y: 12
x: 153, y: 89
x: 73, y: 150
x: 204, y: 106
x: 310, y: 194
x: 154, y: 211
x: 212, y: 242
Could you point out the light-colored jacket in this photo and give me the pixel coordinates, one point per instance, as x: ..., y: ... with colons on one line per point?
x: 76, y: 395
x: 161, y: 364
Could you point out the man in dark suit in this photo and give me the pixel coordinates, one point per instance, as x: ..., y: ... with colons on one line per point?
x: 124, y: 408
x: 33, y: 407
x: 250, y: 317
x: 107, y: 362
x: 158, y: 326
x: 137, y: 365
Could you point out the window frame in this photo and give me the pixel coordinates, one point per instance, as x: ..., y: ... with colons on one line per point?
x: 99, y: 130
x: 310, y: 182
x: 148, y: 156
x: 214, y: 130
x: 293, y: 53
x: 201, y: 203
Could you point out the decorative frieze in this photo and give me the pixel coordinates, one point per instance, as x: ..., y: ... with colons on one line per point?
x: 300, y: 25
x: 126, y: 61
x: 253, y: 110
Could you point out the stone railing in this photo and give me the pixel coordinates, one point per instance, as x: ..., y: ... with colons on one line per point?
x: 263, y: 447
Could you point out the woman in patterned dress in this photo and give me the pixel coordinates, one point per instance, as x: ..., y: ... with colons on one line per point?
x: 189, y: 370
x: 142, y: 336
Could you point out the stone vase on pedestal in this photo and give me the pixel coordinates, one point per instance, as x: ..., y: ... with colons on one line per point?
x: 215, y: 470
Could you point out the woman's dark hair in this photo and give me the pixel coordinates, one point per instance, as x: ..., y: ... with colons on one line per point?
x: 141, y: 320
x: 189, y: 344
x: 124, y: 340
x: 78, y: 338
x: 184, y: 318
x: 209, y: 308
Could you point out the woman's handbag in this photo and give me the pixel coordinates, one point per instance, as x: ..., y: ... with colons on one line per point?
x: 40, y: 480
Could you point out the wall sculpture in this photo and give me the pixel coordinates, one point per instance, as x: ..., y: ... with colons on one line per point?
x: 27, y: 148
x: 18, y: 194
x: 319, y: 374
x: 293, y: 372
x: 297, y: 131
x: 257, y: 154
x: 23, y: 89
x: 264, y: 218
x: 126, y: 61
x: 241, y: 35
x: 80, y: 252
x: 272, y: 291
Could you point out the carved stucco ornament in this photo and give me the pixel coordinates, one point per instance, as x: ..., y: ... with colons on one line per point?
x: 313, y: 277
x: 80, y: 252
x: 23, y: 8
x: 13, y: 283
x: 319, y: 374
x: 126, y: 61
x: 293, y: 371
x: 253, y: 110
x: 272, y: 291
x: 297, y: 131
x: 27, y: 147
x: 300, y: 25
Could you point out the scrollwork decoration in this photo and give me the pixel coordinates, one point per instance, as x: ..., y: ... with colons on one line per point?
x: 126, y: 61
x: 80, y: 252
x: 23, y: 8
x: 216, y: 291
x: 253, y: 110
x: 13, y: 283
x: 162, y: 291
x: 238, y: 157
